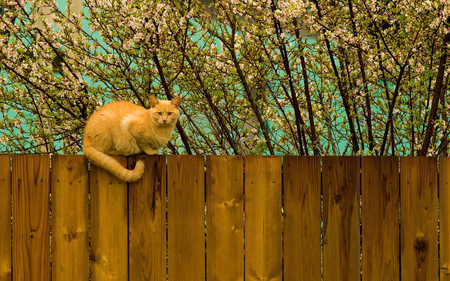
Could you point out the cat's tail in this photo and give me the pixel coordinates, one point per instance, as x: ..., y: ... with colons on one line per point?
x: 112, y: 165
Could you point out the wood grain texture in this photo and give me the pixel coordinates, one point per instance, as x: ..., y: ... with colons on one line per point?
x: 380, y: 218
x: 341, y: 231
x: 263, y: 219
x: 31, y: 217
x: 186, y: 217
x: 70, y: 218
x: 147, y: 227
x: 302, y: 196
x: 5, y: 218
x: 109, y: 225
x: 419, y: 244
x: 444, y: 223
x: 225, y: 218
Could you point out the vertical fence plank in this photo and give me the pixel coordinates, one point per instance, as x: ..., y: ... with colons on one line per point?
x: 419, y: 244
x: 147, y: 229
x: 31, y: 213
x: 380, y: 218
x: 70, y: 218
x: 263, y: 220
x: 225, y: 223
x: 444, y: 205
x: 186, y: 218
x: 341, y: 234
x: 5, y: 218
x: 302, y: 184
x: 109, y: 225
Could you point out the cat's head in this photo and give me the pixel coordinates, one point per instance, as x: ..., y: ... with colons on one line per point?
x: 165, y: 112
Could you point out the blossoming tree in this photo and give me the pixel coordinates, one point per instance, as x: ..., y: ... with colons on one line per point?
x: 300, y: 77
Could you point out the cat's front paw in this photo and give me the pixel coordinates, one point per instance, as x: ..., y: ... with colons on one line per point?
x: 150, y: 151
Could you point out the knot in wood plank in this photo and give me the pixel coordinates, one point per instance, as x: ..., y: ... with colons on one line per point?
x: 421, y: 244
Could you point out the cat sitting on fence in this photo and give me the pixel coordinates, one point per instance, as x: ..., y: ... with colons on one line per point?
x: 123, y: 128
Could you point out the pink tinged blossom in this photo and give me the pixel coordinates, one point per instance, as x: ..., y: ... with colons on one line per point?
x: 139, y: 36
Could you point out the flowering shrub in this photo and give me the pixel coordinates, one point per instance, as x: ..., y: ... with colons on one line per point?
x: 300, y: 77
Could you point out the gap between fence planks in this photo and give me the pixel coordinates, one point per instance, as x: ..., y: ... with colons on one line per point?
x: 5, y: 218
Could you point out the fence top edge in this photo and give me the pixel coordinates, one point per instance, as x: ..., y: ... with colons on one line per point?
x: 229, y: 156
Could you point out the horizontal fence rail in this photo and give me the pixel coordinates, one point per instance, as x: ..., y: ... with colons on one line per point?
x: 226, y: 218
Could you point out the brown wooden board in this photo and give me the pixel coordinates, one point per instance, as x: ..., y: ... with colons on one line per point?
x: 419, y: 226
x: 444, y: 222
x: 5, y: 218
x: 263, y: 219
x: 70, y: 218
x: 147, y: 214
x: 225, y: 218
x: 341, y: 229
x: 31, y: 217
x: 302, y: 184
x: 186, y: 217
x: 380, y: 218
x: 109, y: 225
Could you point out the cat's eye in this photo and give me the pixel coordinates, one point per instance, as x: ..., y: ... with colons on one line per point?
x: 169, y: 113
x: 160, y: 113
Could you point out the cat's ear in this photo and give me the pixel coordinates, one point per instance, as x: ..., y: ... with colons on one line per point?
x: 176, y: 101
x: 153, y: 101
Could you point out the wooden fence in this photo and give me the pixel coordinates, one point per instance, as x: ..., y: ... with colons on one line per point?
x: 226, y: 218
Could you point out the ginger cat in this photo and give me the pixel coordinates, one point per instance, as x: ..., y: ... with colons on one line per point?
x: 123, y: 128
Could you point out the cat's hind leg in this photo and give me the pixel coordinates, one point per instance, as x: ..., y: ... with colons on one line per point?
x: 139, y: 169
